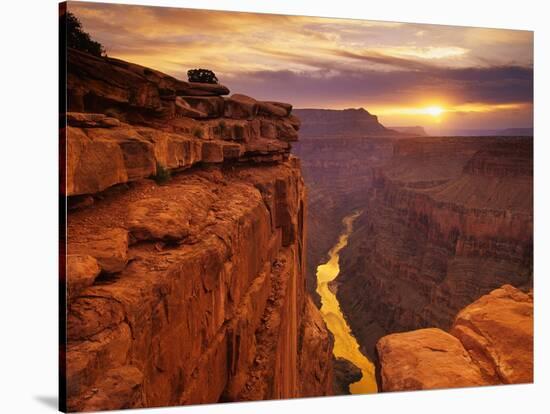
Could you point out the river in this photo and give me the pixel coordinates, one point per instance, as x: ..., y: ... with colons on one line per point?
x: 345, y: 344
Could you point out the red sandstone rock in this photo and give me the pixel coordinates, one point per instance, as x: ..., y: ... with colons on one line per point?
x: 183, y: 108
x: 491, y: 342
x: 435, y: 235
x: 316, y: 340
x: 205, y: 300
x: 497, y: 331
x: 212, y: 106
x: 154, y: 218
x: 92, y: 165
x: 286, y: 106
x: 120, y: 388
x: 425, y: 359
x: 109, y: 248
x: 81, y: 273
x: 83, y: 120
x: 271, y: 109
x: 240, y: 107
x: 212, y: 151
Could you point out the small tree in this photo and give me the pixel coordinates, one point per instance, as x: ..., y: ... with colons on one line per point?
x: 201, y: 75
x: 78, y: 38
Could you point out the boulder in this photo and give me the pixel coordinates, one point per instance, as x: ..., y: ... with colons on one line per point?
x: 81, y: 273
x: 286, y: 106
x: 157, y: 219
x: 269, y: 109
x: 240, y: 107
x: 108, y: 247
x: 212, y: 106
x: 497, y: 331
x: 425, y: 359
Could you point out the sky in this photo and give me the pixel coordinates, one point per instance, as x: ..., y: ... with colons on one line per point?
x: 438, y: 77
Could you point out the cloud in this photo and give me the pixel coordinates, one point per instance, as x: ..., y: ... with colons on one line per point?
x: 319, y: 62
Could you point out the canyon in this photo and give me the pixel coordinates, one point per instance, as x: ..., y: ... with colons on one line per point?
x: 198, y: 227
x: 445, y: 221
x: 185, y: 245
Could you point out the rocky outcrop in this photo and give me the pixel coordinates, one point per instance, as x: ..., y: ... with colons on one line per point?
x: 346, y: 123
x: 189, y: 289
x: 425, y: 359
x: 490, y: 342
x: 345, y: 373
x: 497, y: 331
x: 446, y: 221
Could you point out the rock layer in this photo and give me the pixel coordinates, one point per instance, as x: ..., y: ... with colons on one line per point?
x: 338, y: 174
x: 446, y: 221
x: 190, y: 289
x: 491, y: 342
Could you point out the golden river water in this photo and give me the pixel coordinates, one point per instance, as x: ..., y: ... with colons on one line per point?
x: 345, y: 344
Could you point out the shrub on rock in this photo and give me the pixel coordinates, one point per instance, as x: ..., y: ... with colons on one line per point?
x: 202, y: 75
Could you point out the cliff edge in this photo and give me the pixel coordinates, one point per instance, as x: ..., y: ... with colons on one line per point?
x: 185, y: 267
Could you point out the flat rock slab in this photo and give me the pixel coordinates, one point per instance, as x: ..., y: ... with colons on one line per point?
x: 286, y: 106
x: 158, y: 219
x: 109, y: 248
x: 497, y: 331
x: 270, y: 109
x: 240, y: 107
x: 426, y: 359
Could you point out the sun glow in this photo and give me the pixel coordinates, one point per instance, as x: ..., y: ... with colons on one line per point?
x: 434, y: 110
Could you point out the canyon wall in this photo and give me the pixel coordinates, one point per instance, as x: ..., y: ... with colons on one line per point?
x: 186, y: 228
x: 490, y: 342
x: 337, y: 172
x: 446, y: 221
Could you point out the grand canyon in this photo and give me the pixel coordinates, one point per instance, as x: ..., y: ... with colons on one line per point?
x: 220, y: 247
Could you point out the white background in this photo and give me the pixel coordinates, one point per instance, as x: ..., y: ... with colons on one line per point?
x: 28, y: 203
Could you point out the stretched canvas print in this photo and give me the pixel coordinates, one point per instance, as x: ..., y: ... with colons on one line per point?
x: 259, y: 206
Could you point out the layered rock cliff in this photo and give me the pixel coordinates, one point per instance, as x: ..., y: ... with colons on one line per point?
x: 490, y: 342
x: 337, y: 172
x: 185, y: 244
x: 346, y: 123
x: 446, y: 221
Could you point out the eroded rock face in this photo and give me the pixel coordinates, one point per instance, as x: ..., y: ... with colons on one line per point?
x: 491, y: 342
x: 198, y: 293
x: 446, y: 221
x: 338, y: 174
x: 497, y: 331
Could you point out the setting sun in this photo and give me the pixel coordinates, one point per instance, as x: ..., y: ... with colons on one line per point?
x: 434, y: 110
